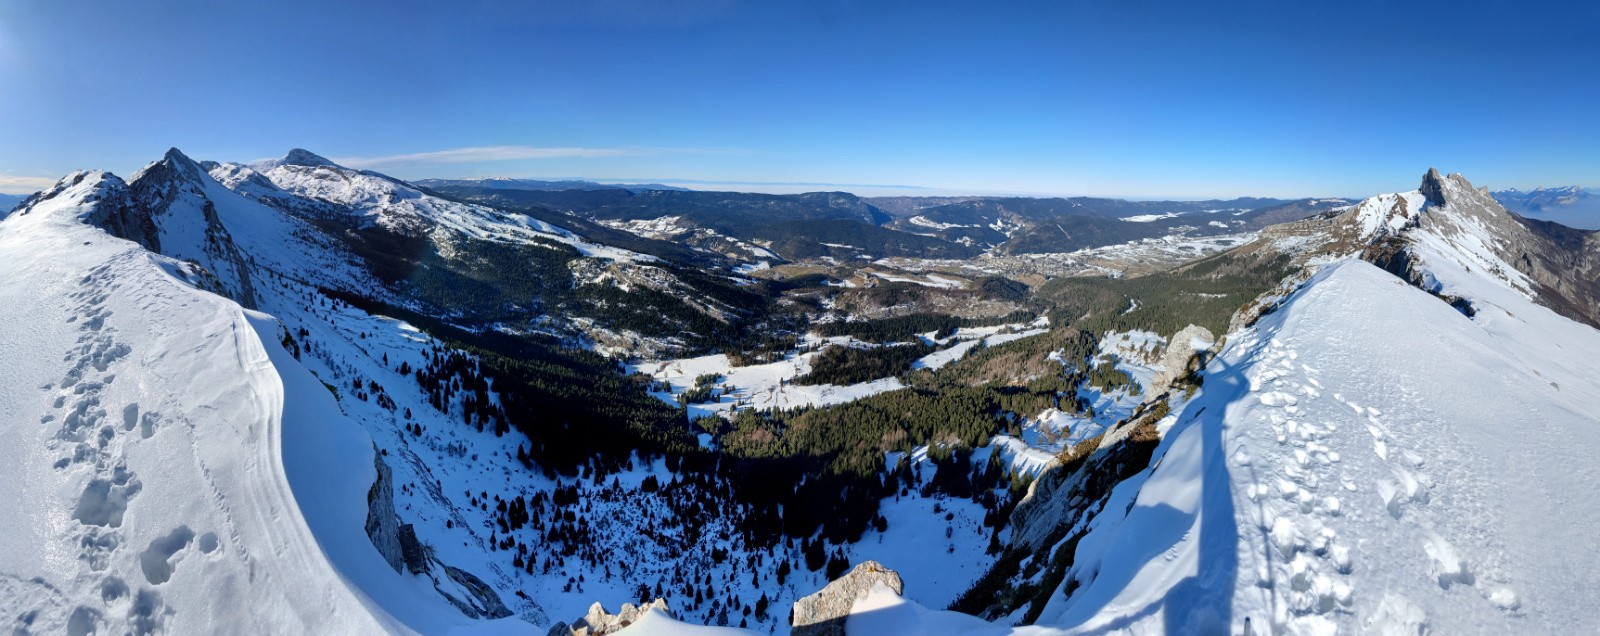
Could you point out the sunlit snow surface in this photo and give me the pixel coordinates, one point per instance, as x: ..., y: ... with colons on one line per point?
x: 1367, y: 460
x: 143, y: 442
x: 1364, y: 460
x: 771, y: 385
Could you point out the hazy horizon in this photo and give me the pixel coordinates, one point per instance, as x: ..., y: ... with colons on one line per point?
x: 1163, y: 100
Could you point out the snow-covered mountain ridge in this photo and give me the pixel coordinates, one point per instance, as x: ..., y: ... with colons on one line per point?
x: 155, y: 469
x: 198, y: 374
x: 367, y: 406
x: 182, y: 436
x: 1362, y: 457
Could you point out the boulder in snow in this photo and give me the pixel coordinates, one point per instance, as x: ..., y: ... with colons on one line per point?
x: 824, y: 613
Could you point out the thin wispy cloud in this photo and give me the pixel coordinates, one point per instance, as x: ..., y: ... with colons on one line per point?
x: 519, y: 153
x: 21, y: 185
x: 827, y: 184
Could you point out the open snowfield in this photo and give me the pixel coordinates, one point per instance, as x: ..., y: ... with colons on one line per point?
x: 770, y: 385
x: 760, y: 386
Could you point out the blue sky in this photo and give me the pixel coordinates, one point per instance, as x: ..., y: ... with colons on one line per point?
x: 1145, y: 99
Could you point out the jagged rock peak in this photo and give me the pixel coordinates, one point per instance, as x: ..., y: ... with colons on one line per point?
x: 303, y: 157
x: 182, y: 162
x: 1436, y: 187
x: 1433, y: 186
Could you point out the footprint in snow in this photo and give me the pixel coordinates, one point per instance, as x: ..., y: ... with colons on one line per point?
x: 157, y: 561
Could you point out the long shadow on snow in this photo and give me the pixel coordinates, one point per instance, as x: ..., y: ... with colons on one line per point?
x: 1201, y: 603
x: 1204, y: 602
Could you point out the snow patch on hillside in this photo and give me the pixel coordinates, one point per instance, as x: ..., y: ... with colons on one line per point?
x: 760, y: 386
x: 1150, y: 218
x: 397, y: 206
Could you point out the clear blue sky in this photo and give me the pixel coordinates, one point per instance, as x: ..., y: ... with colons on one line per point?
x: 1113, y: 98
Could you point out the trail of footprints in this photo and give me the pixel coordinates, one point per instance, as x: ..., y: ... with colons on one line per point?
x: 94, y: 436
x: 1309, y: 565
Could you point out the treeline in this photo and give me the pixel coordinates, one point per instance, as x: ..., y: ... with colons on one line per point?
x: 572, y: 404
x: 1107, y: 377
x: 1056, y: 357
x: 907, y: 326
x: 838, y: 364
x: 823, y: 466
x: 814, y: 475
x: 483, y: 281
x: 1206, y: 293
x: 796, y: 240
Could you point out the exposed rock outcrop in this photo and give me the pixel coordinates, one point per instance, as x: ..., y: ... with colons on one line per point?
x: 1558, y: 266
x: 824, y: 613
x: 1187, y: 351
x: 398, y: 544
x: 303, y: 157
x: 1065, y: 492
x: 1432, y: 187
x: 383, y: 527
x: 598, y: 622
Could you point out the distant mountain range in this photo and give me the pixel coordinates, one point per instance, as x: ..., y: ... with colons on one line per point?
x: 1573, y: 206
x: 844, y: 226
x: 506, y: 183
x: 1018, y: 225
x: 8, y: 201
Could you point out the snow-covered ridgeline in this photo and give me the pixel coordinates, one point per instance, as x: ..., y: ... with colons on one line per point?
x: 397, y: 206
x: 148, y: 458
x: 1345, y: 467
x: 1317, y: 483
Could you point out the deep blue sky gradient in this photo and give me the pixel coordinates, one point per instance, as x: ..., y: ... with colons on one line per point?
x: 1146, y: 99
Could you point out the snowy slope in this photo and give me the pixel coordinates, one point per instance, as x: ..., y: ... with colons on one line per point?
x: 1379, y: 462
x: 394, y: 205
x: 343, y: 394
x: 1366, y: 460
x: 142, y: 438
x: 179, y: 468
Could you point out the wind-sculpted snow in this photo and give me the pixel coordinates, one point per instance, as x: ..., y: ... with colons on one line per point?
x: 1371, y: 463
x: 141, y: 435
x: 172, y: 469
